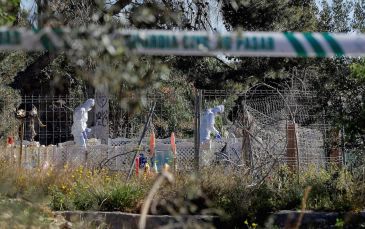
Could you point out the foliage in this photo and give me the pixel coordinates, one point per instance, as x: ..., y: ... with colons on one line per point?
x: 87, y: 190
x: 254, y: 15
x: 216, y: 190
x: 223, y: 189
x: 124, y: 197
x: 8, y: 11
x: 278, y: 15
x: 358, y: 70
x: 176, y: 109
x: 19, y: 213
x: 341, y: 15
x: 99, y: 61
x: 332, y: 190
x: 10, y: 65
x: 354, y: 98
x: 325, y: 22
x: 340, y: 91
x: 358, y: 23
x: 8, y: 123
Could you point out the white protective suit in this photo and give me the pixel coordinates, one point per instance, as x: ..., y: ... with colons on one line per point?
x: 79, y: 127
x: 207, y: 123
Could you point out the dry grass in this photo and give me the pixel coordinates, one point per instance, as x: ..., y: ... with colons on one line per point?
x: 215, y: 190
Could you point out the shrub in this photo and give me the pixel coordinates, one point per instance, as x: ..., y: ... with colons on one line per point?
x: 96, y: 190
x: 123, y: 197
x: 59, y: 201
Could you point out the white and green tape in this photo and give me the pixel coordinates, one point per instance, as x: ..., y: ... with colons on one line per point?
x: 31, y: 40
x: 198, y: 43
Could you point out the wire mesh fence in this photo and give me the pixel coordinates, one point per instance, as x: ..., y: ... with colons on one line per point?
x: 284, y: 125
x: 261, y: 126
x: 55, y: 112
x: 172, y: 114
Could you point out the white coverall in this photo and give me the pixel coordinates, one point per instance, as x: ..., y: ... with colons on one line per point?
x: 207, y: 123
x: 79, y: 127
x: 206, y: 127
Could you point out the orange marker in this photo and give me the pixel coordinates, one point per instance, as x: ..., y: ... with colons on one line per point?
x: 173, y: 144
x: 173, y: 148
x: 152, y: 144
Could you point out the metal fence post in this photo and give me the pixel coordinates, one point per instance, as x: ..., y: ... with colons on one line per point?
x: 198, y: 104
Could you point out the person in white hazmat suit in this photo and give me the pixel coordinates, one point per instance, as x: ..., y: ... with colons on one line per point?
x: 207, y: 127
x: 79, y: 127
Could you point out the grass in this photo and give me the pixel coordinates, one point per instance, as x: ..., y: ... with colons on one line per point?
x: 95, y: 190
x: 215, y: 190
x: 17, y: 212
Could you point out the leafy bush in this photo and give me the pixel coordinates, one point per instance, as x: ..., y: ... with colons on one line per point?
x: 96, y: 190
x: 123, y: 197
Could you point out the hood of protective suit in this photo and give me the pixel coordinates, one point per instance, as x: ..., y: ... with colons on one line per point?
x: 218, y: 109
x: 88, y: 104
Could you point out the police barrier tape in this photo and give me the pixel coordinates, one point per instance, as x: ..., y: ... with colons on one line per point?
x: 198, y: 43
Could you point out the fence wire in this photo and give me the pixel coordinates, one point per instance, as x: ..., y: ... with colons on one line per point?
x: 172, y: 114
x: 268, y: 110
x: 276, y: 124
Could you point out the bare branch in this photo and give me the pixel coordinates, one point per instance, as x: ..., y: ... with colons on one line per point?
x: 117, y: 7
x: 160, y: 179
x: 225, y: 64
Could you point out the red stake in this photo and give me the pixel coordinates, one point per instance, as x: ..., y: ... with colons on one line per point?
x: 137, y: 166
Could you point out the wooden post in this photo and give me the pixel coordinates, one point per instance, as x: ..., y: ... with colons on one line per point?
x: 198, y: 103
x: 246, y: 151
x: 292, y: 147
x: 86, y: 158
x: 21, y: 142
x: 334, y: 151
